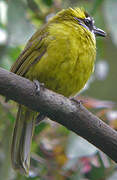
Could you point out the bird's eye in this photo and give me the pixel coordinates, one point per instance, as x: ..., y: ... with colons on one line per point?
x: 89, y: 22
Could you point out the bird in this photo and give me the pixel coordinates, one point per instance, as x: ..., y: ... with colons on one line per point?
x: 61, y: 54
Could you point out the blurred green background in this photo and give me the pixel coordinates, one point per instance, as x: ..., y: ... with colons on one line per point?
x: 58, y: 154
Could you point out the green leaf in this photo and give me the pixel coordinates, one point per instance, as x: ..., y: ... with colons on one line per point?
x: 100, y: 172
x: 78, y: 147
x: 48, y: 2
x: 96, y: 173
x: 11, y: 117
x: 40, y: 127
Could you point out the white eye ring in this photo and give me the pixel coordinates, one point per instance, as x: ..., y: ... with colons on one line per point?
x: 89, y: 19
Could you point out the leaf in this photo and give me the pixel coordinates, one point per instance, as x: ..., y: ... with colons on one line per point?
x: 40, y: 127
x: 96, y: 173
x: 11, y: 117
x: 48, y: 2
x: 100, y: 172
x: 78, y: 147
x: 19, y: 28
x: 110, y: 11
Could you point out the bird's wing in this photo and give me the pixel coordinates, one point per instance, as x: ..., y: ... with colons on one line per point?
x: 34, y: 50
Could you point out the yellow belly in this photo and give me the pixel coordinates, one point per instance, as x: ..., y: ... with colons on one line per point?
x: 66, y: 66
x: 64, y: 77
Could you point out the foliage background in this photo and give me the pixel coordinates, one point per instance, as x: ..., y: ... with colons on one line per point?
x: 58, y: 154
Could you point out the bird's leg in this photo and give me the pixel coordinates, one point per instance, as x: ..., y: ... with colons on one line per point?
x: 38, y: 86
x: 39, y: 118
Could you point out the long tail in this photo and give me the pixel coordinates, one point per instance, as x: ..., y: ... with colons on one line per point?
x: 22, y: 138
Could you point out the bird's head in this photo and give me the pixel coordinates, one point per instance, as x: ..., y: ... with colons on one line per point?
x: 79, y: 16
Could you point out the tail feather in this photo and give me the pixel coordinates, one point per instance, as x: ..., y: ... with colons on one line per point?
x: 22, y: 138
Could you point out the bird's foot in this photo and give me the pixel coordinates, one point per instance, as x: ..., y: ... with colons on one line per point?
x: 76, y: 101
x: 38, y: 86
x: 39, y: 118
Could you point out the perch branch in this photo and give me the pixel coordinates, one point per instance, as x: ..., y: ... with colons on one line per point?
x: 73, y: 116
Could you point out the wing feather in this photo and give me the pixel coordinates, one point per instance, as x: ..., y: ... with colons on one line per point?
x: 34, y: 50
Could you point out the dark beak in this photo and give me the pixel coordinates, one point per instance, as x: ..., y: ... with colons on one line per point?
x: 99, y: 32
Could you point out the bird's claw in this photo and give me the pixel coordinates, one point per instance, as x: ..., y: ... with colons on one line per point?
x: 38, y: 86
x: 78, y: 102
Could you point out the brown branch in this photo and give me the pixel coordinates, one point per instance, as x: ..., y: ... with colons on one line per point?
x: 60, y: 109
